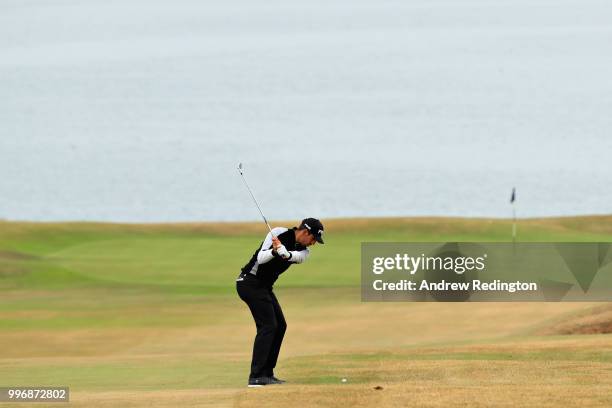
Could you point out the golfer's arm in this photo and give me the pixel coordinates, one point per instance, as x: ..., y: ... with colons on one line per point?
x: 299, y: 256
x: 265, y: 253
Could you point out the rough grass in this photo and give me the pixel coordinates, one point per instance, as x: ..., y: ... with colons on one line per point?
x: 146, y: 315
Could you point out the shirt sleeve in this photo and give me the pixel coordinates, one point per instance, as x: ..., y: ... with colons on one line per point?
x: 264, y: 256
x: 265, y: 252
x: 299, y: 256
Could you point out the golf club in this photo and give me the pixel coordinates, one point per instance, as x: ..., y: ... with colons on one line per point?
x: 253, y: 197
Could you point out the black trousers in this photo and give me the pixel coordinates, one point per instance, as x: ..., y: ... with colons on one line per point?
x: 270, y: 322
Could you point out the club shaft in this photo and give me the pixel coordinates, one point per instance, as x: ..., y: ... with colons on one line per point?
x: 255, y: 201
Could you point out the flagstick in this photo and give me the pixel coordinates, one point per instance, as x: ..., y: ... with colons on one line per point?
x: 513, y: 224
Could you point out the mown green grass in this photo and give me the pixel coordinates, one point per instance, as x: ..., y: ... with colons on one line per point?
x: 180, y: 260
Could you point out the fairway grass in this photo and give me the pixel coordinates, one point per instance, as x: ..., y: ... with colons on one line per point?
x: 147, y: 315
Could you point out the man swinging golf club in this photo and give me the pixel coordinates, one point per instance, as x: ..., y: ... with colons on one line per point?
x: 281, y: 248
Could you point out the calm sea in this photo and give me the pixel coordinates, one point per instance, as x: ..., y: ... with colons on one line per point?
x: 141, y: 110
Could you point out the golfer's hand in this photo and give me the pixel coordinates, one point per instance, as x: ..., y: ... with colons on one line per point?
x: 276, y: 243
x: 282, y: 252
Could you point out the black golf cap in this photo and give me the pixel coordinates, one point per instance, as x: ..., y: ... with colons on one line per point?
x: 315, y: 227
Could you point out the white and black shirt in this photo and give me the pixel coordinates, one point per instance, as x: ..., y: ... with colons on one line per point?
x: 265, y: 265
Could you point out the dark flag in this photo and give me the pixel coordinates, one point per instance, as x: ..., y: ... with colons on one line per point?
x: 513, y: 196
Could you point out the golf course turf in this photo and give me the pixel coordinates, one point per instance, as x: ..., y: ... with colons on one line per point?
x: 133, y: 315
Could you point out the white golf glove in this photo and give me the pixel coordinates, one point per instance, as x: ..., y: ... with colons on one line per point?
x: 282, y: 252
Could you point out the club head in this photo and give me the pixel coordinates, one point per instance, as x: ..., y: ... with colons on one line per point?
x: 240, y: 167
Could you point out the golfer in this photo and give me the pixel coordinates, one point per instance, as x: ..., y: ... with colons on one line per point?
x: 280, y: 249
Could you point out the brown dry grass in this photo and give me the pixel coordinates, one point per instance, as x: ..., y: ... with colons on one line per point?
x: 597, y: 320
x: 422, y: 354
x: 596, y: 224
